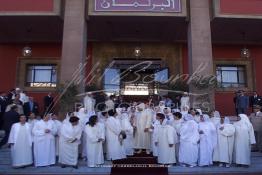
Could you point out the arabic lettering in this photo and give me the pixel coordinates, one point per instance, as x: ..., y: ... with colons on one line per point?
x: 140, y: 5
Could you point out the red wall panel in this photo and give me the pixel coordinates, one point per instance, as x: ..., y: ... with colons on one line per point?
x: 26, y: 5
x: 245, y: 7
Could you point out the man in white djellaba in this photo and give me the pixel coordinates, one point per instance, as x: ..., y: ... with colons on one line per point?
x: 165, y: 141
x: 94, y: 145
x: 20, y: 139
x: 114, y: 140
x: 189, y: 139
x: 69, y: 140
x: 129, y: 131
x: 244, y: 138
x: 58, y: 125
x: 89, y: 103
x: 32, y: 120
x: 177, y: 124
x: 161, y: 105
x: 83, y: 116
x: 44, y: 133
x: 223, y: 152
x: 154, y: 127
x: 143, y: 123
x: 169, y: 116
x: 208, y: 141
x: 184, y: 101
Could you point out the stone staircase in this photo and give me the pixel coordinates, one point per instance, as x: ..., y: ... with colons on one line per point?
x: 139, y: 164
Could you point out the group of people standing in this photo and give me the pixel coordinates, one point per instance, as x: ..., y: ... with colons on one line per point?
x: 16, y: 102
x: 182, y: 136
x: 243, y: 102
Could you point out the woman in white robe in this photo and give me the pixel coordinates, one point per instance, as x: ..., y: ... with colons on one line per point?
x: 69, y: 140
x: 215, y: 118
x: 115, y: 150
x: 223, y: 151
x: 44, y: 133
x: 208, y: 141
x: 189, y: 139
x: 94, y: 142
x: 20, y: 139
x: 244, y: 137
x: 166, y: 139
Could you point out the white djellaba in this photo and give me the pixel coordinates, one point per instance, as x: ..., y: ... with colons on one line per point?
x: 94, y: 142
x: 69, y: 140
x: 21, y: 140
x: 244, y: 137
x: 223, y: 152
x: 208, y: 141
x: 44, y: 132
x: 189, y: 138
x: 166, y: 138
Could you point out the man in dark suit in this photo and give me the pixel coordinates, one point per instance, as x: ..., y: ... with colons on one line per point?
x: 255, y: 100
x: 31, y: 107
x: 10, y: 118
x: 242, y: 103
x: 48, y: 103
x: 3, y: 104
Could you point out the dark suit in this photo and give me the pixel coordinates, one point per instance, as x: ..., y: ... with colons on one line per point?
x: 48, y: 104
x: 31, y: 108
x: 3, y: 104
x: 10, y: 118
x: 242, y: 103
x: 255, y: 101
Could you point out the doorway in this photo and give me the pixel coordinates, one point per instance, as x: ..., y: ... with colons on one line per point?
x: 133, y: 79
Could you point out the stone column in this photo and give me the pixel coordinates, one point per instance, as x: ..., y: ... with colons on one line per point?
x: 200, y: 56
x: 74, y: 42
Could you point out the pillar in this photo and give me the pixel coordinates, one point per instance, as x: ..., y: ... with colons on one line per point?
x: 74, y: 42
x: 200, y: 56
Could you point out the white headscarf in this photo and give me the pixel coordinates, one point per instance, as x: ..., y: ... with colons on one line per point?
x: 188, y: 117
x: 216, y: 114
x: 245, y: 120
x: 206, y: 118
x: 226, y: 120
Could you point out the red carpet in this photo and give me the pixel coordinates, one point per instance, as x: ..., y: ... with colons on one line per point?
x: 139, y: 164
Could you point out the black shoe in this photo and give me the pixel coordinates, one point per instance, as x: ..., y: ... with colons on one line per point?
x: 75, y: 167
x: 63, y: 166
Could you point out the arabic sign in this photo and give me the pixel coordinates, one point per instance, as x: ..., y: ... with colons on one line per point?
x: 138, y: 6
